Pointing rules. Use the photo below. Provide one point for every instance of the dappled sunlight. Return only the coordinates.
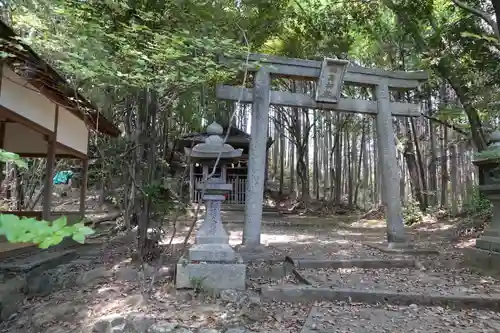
(118, 305)
(348, 233)
(176, 240)
(122, 263)
(436, 226)
(344, 253)
(335, 241)
(270, 239)
(107, 289)
(117, 300)
(466, 243)
(117, 297)
(235, 237)
(368, 224)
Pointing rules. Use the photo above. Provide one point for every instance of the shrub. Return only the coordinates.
(478, 205)
(411, 212)
(28, 230)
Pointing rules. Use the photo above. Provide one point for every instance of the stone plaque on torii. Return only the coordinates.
(330, 74)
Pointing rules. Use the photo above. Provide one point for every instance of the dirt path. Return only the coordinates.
(348, 318)
(115, 293)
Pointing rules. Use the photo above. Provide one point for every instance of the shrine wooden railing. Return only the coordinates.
(236, 196)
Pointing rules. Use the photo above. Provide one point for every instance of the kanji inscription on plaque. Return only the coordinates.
(330, 80)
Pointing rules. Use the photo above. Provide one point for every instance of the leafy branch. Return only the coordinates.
(29, 230)
(481, 14)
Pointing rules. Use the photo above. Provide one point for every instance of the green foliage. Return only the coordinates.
(115, 49)
(28, 230)
(6, 156)
(44, 234)
(166, 46)
(197, 284)
(412, 213)
(163, 199)
(478, 205)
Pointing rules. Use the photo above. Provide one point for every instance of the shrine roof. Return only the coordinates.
(23, 61)
(237, 138)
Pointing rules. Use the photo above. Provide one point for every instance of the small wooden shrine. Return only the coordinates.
(236, 173)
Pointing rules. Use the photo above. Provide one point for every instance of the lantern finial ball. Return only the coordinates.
(214, 129)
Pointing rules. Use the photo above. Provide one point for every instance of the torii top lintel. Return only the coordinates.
(357, 75)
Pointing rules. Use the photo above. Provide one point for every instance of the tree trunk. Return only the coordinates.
(444, 169)
(411, 162)
(315, 158)
(433, 165)
(496, 8)
(338, 161)
(423, 183)
(454, 178)
(282, 154)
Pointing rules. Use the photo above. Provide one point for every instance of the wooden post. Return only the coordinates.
(191, 183)
(2, 138)
(2, 133)
(83, 185)
(19, 190)
(266, 172)
(49, 169)
(49, 174)
(223, 172)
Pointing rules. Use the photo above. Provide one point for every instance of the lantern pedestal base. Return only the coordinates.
(488, 243)
(486, 254)
(212, 253)
(483, 260)
(490, 240)
(210, 275)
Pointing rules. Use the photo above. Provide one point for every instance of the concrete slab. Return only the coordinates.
(303, 293)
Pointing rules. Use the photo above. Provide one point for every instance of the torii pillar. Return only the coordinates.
(257, 160)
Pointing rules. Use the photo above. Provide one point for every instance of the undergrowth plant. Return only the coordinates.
(29, 230)
(412, 213)
(478, 205)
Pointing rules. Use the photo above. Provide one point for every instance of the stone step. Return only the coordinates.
(488, 243)
(305, 293)
(365, 263)
(400, 279)
(29, 274)
(358, 319)
(42, 260)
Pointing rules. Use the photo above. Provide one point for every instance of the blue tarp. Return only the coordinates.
(62, 177)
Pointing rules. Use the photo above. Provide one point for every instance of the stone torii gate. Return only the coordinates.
(330, 75)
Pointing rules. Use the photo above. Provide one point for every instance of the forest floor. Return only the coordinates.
(115, 293)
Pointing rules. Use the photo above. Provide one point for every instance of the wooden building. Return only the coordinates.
(41, 115)
(236, 173)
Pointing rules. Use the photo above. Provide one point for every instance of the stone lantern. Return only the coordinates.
(488, 162)
(212, 262)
